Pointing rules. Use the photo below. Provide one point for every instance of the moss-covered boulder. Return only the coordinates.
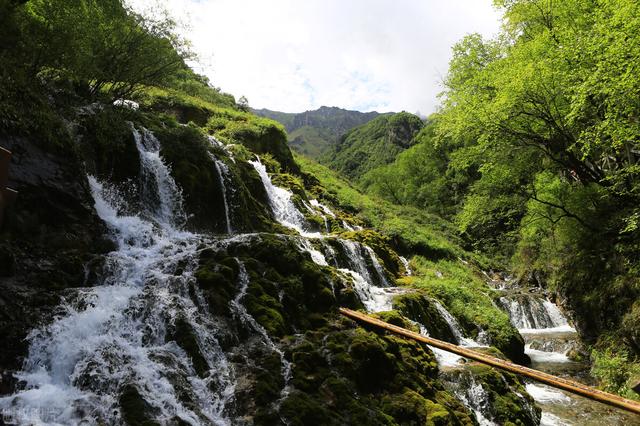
(422, 309)
(347, 375)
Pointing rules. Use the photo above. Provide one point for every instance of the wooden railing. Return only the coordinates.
(549, 379)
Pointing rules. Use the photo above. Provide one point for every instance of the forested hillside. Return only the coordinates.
(373, 144)
(312, 133)
(535, 157)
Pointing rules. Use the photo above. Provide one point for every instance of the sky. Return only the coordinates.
(297, 55)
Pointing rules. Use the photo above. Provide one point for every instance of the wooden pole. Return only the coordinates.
(557, 382)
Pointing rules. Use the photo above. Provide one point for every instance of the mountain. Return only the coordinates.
(373, 144)
(312, 133)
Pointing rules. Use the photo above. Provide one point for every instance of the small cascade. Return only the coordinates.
(280, 199)
(548, 339)
(161, 198)
(407, 269)
(356, 259)
(454, 326)
(316, 255)
(382, 276)
(473, 396)
(223, 175)
(374, 298)
(325, 209)
(530, 312)
(348, 227)
(244, 316)
(124, 333)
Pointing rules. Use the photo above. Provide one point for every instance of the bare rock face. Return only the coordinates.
(48, 237)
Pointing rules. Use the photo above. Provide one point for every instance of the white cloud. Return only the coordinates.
(385, 55)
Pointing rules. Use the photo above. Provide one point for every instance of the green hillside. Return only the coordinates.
(373, 144)
(314, 132)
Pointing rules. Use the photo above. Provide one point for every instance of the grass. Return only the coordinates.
(421, 232)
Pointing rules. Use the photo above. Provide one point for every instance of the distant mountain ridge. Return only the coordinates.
(314, 132)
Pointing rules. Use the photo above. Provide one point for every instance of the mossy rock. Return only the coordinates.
(261, 136)
(410, 408)
(134, 409)
(380, 245)
(107, 145)
(184, 335)
(421, 308)
(354, 376)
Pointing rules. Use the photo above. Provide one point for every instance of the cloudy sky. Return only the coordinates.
(296, 55)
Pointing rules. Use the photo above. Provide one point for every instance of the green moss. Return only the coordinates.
(380, 245)
(108, 146)
(468, 298)
(504, 390)
(333, 367)
(410, 407)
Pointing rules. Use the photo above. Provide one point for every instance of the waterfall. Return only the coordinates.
(529, 312)
(161, 197)
(280, 200)
(118, 334)
(407, 268)
(454, 326)
(382, 275)
(473, 396)
(223, 174)
(316, 255)
(356, 260)
(374, 298)
(325, 209)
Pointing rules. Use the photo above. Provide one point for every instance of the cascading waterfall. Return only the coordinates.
(374, 298)
(161, 198)
(407, 269)
(223, 175)
(117, 336)
(382, 276)
(529, 312)
(454, 326)
(280, 199)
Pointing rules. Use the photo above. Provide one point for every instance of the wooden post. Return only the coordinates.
(557, 382)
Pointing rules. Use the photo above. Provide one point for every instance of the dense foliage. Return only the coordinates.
(535, 154)
(88, 49)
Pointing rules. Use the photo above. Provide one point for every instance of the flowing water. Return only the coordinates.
(121, 334)
(223, 176)
(116, 336)
(548, 340)
(375, 298)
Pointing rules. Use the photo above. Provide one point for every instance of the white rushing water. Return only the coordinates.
(407, 268)
(532, 313)
(375, 299)
(282, 206)
(117, 334)
(223, 175)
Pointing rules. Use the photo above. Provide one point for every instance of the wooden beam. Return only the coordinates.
(551, 380)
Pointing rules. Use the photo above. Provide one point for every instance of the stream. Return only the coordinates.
(549, 338)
